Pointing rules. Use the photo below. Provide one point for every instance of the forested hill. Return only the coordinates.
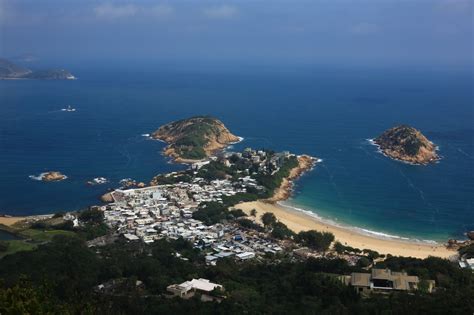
(194, 138)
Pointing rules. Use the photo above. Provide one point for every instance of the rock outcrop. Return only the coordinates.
(470, 235)
(407, 144)
(53, 176)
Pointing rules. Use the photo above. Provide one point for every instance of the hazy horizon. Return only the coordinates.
(346, 33)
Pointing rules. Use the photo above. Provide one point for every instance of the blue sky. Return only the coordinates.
(376, 32)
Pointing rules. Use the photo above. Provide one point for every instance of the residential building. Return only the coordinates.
(384, 280)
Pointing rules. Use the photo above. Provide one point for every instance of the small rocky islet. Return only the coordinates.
(53, 176)
(407, 144)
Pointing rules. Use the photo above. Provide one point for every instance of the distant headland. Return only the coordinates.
(407, 144)
(10, 71)
(193, 139)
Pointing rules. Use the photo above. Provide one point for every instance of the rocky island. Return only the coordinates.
(10, 70)
(195, 138)
(52, 176)
(405, 143)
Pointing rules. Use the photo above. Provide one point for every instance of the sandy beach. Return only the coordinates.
(300, 221)
(10, 220)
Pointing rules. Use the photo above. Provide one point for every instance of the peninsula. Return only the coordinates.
(193, 139)
(10, 70)
(405, 143)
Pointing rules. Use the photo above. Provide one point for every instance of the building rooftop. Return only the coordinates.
(360, 279)
(381, 274)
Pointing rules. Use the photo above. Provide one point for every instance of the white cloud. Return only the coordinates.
(161, 10)
(364, 29)
(111, 11)
(221, 12)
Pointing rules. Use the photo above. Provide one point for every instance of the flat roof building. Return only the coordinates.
(188, 288)
(384, 280)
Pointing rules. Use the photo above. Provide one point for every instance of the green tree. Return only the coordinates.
(268, 219)
(91, 216)
(315, 240)
(281, 231)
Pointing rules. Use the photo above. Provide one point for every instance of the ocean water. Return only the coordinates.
(326, 113)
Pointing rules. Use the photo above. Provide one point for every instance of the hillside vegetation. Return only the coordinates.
(194, 138)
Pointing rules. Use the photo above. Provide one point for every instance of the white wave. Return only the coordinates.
(380, 234)
(146, 135)
(238, 141)
(359, 230)
(379, 150)
(37, 177)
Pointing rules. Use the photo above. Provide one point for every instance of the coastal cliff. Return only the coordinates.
(407, 144)
(194, 139)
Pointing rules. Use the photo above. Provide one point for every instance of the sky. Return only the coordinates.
(343, 32)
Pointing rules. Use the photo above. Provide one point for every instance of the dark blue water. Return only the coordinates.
(325, 113)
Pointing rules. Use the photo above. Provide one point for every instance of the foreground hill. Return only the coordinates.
(194, 138)
(407, 144)
(9, 70)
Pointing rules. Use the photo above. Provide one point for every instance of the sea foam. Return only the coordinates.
(363, 231)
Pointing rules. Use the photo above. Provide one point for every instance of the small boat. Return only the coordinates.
(68, 109)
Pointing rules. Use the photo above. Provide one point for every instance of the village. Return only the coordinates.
(151, 213)
(166, 211)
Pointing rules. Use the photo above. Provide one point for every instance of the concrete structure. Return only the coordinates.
(384, 280)
(467, 263)
(188, 288)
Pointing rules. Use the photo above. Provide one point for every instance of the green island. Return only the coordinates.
(405, 143)
(194, 138)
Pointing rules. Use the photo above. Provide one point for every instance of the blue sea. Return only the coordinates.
(327, 113)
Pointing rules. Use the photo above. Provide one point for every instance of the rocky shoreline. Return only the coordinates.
(305, 163)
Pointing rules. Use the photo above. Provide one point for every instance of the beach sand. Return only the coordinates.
(300, 221)
(8, 221)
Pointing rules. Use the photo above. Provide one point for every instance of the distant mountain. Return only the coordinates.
(407, 144)
(194, 138)
(10, 70)
(54, 74)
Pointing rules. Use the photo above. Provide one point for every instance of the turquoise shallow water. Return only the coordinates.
(326, 113)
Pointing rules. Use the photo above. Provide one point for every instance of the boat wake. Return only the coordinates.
(68, 109)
